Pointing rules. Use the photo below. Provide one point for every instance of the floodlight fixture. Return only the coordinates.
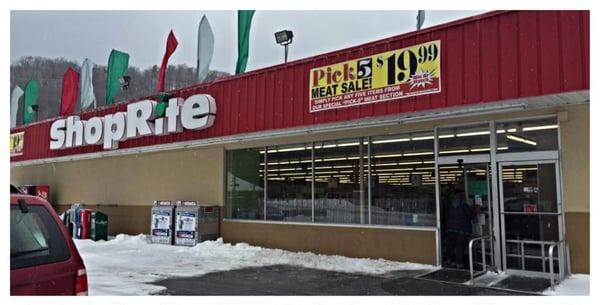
(284, 38)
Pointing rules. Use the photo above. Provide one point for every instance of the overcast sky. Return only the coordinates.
(75, 35)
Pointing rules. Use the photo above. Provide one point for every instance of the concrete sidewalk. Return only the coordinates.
(292, 280)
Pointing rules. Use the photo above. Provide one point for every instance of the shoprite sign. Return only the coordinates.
(196, 112)
(385, 76)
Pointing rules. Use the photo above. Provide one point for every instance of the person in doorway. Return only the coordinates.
(459, 216)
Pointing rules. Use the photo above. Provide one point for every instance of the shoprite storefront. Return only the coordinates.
(359, 152)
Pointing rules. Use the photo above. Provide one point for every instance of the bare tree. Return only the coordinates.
(49, 72)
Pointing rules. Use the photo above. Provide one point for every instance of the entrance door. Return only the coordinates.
(531, 216)
(467, 184)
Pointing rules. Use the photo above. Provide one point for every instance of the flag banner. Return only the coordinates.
(14, 105)
(30, 104)
(244, 22)
(162, 103)
(70, 90)
(171, 46)
(86, 87)
(206, 46)
(420, 19)
(117, 67)
(392, 75)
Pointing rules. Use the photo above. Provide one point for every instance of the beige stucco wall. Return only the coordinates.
(132, 180)
(575, 158)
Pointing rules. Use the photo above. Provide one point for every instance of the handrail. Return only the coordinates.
(551, 254)
(471, 242)
(564, 258)
(533, 242)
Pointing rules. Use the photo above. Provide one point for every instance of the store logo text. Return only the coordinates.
(196, 112)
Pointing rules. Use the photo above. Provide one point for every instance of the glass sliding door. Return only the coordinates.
(465, 214)
(531, 215)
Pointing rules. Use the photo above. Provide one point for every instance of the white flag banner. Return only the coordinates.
(87, 97)
(14, 105)
(206, 45)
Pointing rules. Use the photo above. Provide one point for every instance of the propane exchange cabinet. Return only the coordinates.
(195, 223)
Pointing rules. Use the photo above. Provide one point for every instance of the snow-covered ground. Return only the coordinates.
(576, 284)
(126, 265)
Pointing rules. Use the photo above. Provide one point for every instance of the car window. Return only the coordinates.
(35, 238)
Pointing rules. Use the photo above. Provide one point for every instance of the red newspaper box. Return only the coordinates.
(85, 223)
(37, 190)
(42, 191)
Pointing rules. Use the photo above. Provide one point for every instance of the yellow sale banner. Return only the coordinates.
(16, 143)
(385, 76)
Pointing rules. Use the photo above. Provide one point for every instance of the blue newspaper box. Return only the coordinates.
(75, 218)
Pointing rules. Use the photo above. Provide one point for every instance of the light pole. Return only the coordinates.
(284, 38)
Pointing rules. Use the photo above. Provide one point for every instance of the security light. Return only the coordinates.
(284, 38)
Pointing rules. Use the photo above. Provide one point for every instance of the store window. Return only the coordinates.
(289, 183)
(529, 135)
(464, 140)
(245, 184)
(403, 180)
(341, 169)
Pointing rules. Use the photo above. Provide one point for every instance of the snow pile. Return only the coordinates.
(127, 264)
(576, 284)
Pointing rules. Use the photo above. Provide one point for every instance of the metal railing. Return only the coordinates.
(563, 257)
(483, 254)
(562, 275)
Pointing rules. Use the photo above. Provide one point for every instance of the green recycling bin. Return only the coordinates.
(99, 226)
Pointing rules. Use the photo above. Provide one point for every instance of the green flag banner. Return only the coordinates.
(162, 103)
(244, 21)
(30, 103)
(117, 67)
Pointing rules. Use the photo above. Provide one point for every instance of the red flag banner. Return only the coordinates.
(171, 46)
(70, 91)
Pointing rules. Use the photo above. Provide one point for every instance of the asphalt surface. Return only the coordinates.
(293, 280)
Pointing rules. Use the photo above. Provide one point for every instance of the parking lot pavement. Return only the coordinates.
(292, 280)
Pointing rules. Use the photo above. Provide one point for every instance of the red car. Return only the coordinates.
(43, 257)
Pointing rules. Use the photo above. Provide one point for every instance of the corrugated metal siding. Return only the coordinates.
(495, 56)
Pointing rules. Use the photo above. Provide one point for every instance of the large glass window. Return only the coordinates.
(337, 182)
(530, 135)
(289, 183)
(464, 140)
(245, 184)
(403, 180)
(340, 181)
